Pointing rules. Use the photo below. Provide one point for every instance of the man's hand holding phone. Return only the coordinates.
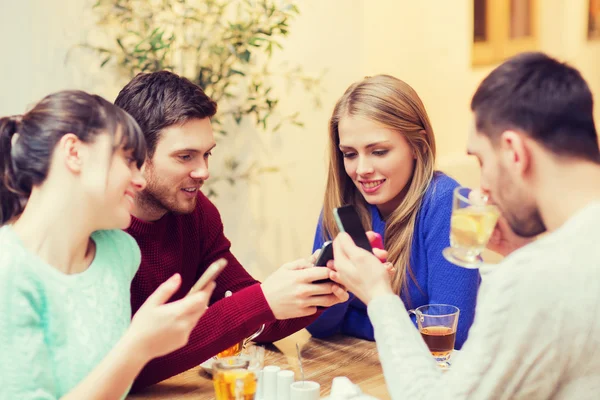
(292, 292)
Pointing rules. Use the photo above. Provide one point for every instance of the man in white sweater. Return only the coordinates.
(536, 333)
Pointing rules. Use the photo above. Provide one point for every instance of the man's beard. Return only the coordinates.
(527, 223)
(520, 211)
(159, 198)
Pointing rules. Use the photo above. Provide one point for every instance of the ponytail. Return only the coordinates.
(27, 142)
(11, 201)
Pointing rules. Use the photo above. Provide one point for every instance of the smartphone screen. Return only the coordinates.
(348, 221)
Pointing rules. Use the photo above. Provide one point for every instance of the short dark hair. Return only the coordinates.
(161, 99)
(542, 97)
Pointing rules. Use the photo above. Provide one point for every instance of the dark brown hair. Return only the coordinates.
(161, 99)
(28, 141)
(542, 97)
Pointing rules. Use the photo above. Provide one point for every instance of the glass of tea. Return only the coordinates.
(234, 378)
(471, 225)
(437, 324)
(237, 348)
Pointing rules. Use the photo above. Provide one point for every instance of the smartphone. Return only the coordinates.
(348, 221)
(209, 275)
(325, 254)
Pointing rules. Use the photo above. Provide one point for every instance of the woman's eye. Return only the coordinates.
(348, 155)
(380, 152)
(185, 157)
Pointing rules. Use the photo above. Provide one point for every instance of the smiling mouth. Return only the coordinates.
(372, 184)
(130, 198)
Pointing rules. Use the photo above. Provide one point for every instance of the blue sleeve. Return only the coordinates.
(446, 282)
(331, 320)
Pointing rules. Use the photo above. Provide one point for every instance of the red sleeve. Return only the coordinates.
(228, 320)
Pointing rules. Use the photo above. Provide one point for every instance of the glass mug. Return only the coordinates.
(235, 378)
(237, 348)
(437, 324)
(471, 225)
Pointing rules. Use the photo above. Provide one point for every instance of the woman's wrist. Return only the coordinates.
(137, 351)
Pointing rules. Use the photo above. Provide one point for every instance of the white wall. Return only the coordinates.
(38, 35)
(283, 209)
(426, 43)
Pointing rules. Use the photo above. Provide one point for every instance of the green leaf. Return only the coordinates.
(106, 60)
(235, 71)
(120, 43)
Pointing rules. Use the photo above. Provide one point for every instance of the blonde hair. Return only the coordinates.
(393, 104)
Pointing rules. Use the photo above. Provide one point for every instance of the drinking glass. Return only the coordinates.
(471, 225)
(237, 348)
(437, 324)
(234, 378)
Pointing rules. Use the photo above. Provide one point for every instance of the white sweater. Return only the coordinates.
(536, 333)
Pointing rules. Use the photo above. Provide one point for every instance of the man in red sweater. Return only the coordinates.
(180, 231)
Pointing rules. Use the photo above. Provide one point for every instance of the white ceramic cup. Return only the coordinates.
(269, 382)
(284, 379)
(305, 390)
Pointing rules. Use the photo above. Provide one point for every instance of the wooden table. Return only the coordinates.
(322, 361)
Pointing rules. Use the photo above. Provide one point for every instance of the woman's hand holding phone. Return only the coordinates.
(158, 327)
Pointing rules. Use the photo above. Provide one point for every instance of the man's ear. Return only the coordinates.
(515, 152)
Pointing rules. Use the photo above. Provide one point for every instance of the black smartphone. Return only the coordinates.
(348, 221)
(325, 254)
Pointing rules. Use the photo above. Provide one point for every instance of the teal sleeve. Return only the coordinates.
(25, 368)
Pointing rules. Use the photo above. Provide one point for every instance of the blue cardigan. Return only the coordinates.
(439, 281)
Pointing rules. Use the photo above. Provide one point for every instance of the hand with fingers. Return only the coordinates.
(159, 328)
(359, 271)
(380, 252)
(291, 292)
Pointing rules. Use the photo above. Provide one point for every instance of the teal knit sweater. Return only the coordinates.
(55, 328)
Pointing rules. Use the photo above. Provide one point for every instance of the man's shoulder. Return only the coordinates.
(563, 261)
(206, 212)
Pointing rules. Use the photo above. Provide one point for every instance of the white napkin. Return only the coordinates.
(342, 388)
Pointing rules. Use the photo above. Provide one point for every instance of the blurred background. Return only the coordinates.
(285, 64)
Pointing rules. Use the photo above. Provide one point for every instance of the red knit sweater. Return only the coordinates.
(188, 244)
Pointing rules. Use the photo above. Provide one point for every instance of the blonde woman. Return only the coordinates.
(382, 154)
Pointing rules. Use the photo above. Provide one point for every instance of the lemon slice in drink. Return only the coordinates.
(465, 227)
(464, 223)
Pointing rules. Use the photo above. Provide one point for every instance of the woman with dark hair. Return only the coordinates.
(69, 170)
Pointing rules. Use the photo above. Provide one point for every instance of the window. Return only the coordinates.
(503, 28)
(594, 19)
